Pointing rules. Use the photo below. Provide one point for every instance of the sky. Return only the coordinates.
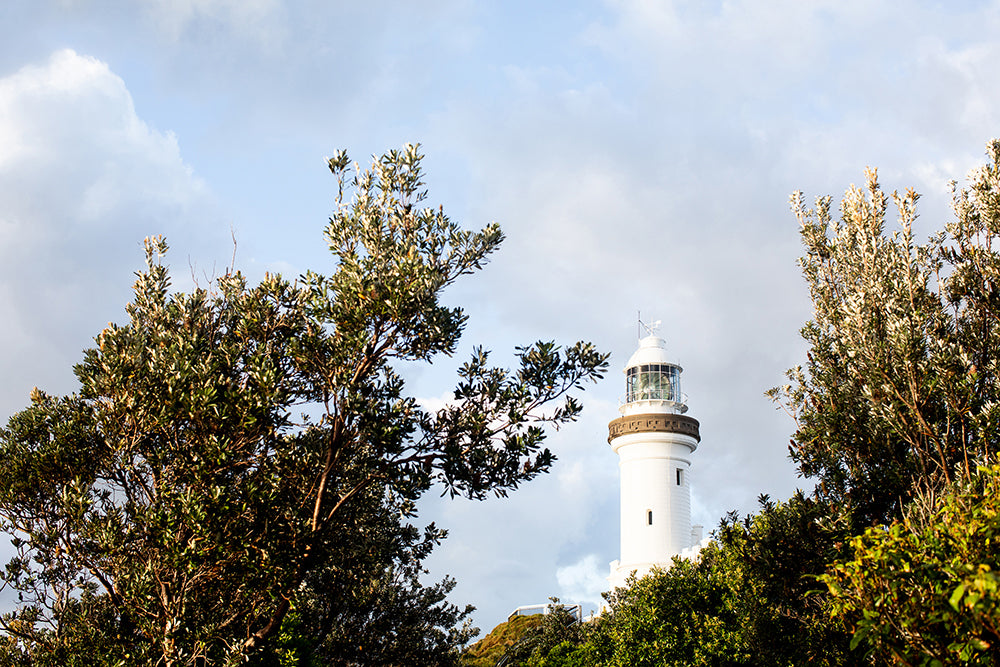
(638, 154)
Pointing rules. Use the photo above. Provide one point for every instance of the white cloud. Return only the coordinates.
(75, 156)
(433, 404)
(583, 581)
(83, 180)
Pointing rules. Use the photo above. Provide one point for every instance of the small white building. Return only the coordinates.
(654, 441)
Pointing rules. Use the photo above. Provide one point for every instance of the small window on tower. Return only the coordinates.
(680, 477)
(649, 517)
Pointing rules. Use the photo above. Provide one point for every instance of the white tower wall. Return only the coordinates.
(655, 510)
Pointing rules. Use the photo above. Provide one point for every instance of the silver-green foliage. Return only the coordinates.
(901, 385)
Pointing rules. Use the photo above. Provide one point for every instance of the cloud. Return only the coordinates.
(83, 180)
(583, 581)
(433, 404)
(260, 21)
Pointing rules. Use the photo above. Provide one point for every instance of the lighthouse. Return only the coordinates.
(654, 440)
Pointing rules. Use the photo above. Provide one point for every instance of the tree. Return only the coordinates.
(900, 390)
(897, 408)
(371, 609)
(925, 590)
(670, 617)
(747, 599)
(558, 629)
(178, 507)
(771, 560)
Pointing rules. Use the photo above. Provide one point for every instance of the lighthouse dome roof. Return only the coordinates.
(652, 350)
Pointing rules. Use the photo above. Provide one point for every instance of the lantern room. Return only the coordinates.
(653, 380)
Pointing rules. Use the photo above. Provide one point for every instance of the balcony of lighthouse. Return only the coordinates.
(653, 387)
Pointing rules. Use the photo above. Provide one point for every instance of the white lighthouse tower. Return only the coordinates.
(653, 440)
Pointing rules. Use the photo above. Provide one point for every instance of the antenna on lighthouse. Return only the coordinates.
(650, 328)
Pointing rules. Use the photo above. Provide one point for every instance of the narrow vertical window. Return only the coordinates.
(649, 517)
(680, 477)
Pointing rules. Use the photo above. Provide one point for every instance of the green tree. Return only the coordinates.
(771, 560)
(900, 390)
(670, 617)
(558, 628)
(896, 408)
(231, 447)
(747, 599)
(926, 590)
(371, 608)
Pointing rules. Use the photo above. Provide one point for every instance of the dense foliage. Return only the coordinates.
(924, 591)
(242, 456)
(745, 601)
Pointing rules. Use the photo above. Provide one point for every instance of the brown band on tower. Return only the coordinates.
(646, 423)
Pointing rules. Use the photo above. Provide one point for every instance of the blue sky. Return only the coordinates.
(638, 154)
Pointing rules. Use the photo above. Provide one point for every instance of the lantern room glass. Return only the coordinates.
(653, 382)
